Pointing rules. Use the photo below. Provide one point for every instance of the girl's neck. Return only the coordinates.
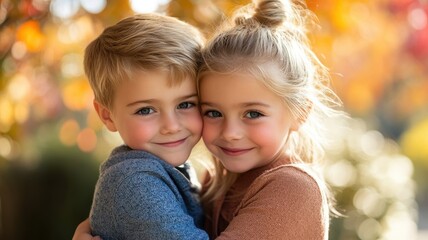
(282, 159)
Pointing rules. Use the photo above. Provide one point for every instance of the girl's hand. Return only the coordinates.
(83, 232)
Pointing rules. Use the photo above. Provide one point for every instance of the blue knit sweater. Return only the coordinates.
(139, 196)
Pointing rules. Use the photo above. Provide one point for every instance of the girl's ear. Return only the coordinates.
(105, 116)
(303, 116)
(295, 126)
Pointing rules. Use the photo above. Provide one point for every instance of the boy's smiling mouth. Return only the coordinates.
(172, 143)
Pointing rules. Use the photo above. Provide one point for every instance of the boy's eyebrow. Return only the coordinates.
(141, 101)
(189, 96)
(148, 101)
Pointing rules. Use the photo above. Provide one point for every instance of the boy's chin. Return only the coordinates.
(176, 159)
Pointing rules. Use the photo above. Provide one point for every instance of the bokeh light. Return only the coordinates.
(415, 142)
(87, 140)
(3, 12)
(6, 116)
(418, 18)
(72, 65)
(369, 229)
(64, 9)
(22, 112)
(68, 132)
(77, 88)
(18, 87)
(341, 174)
(5, 147)
(371, 173)
(93, 6)
(147, 6)
(30, 34)
(18, 50)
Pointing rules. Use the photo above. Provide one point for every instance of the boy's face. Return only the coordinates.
(153, 116)
(247, 125)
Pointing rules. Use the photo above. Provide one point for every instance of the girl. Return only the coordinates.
(263, 96)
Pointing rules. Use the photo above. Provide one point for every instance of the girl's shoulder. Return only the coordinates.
(290, 180)
(304, 172)
(292, 197)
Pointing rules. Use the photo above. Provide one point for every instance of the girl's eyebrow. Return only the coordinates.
(206, 104)
(247, 104)
(255, 104)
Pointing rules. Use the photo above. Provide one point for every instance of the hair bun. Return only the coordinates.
(241, 20)
(271, 13)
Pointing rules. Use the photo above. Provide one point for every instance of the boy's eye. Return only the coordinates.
(145, 111)
(253, 114)
(185, 105)
(212, 114)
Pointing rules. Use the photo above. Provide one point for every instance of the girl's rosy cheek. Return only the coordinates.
(208, 131)
(262, 134)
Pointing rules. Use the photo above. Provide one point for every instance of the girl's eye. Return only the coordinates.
(145, 111)
(185, 105)
(212, 114)
(253, 114)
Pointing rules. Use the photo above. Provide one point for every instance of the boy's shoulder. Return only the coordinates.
(127, 167)
(124, 161)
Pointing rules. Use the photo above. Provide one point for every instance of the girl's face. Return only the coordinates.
(245, 124)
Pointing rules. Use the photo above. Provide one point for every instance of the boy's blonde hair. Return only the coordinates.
(141, 42)
(271, 35)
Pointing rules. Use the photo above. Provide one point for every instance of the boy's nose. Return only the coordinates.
(170, 124)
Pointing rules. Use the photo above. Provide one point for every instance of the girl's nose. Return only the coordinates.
(232, 130)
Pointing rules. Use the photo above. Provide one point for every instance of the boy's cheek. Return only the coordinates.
(139, 136)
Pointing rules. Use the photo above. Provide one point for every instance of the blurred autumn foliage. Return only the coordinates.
(51, 140)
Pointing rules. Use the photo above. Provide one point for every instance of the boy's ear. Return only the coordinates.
(105, 116)
(303, 116)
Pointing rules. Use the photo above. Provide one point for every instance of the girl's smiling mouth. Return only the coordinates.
(235, 151)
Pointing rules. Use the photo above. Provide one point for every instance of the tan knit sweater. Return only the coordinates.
(277, 201)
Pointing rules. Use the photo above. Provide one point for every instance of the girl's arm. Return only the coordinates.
(83, 232)
(282, 204)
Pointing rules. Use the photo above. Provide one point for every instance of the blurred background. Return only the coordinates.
(51, 141)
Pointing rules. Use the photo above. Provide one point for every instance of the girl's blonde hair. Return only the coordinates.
(268, 35)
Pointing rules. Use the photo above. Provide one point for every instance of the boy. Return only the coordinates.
(142, 71)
